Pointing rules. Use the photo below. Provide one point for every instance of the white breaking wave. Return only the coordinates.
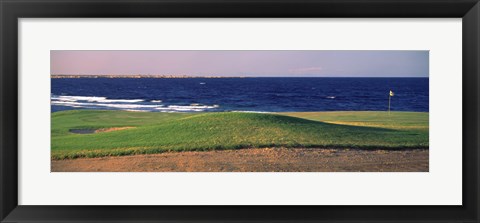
(87, 104)
(136, 110)
(125, 104)
(180, 109)
(95, 99)
(194, 106)
(186, 108)
(121, 100)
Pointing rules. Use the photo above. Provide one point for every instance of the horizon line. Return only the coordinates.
(215, 76)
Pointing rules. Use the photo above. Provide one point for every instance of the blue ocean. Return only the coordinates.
(240, 94)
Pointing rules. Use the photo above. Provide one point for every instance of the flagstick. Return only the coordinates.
(389, 103)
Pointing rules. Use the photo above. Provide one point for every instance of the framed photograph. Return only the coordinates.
(261, 111)
(228, 111)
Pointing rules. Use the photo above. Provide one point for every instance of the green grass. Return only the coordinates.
(160, 132)
(394, 120)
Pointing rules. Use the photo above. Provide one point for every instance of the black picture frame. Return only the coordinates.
(12, 10)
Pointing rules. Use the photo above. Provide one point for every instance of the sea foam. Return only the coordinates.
(95, 102)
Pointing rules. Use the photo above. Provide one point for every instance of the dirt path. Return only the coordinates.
(256, 160)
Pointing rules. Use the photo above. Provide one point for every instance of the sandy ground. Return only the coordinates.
(256, 160)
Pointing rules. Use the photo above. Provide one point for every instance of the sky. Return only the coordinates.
(254, 63)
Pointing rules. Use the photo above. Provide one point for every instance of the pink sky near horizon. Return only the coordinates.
(315, 63)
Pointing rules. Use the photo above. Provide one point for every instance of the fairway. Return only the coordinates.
(149, 133)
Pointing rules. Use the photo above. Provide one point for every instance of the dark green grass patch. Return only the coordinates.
(160, 132)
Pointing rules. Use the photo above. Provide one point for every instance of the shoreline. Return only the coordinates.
(74, 76)
(236, 111)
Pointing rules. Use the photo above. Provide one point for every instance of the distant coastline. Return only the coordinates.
(170, 76)
(132, 76)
